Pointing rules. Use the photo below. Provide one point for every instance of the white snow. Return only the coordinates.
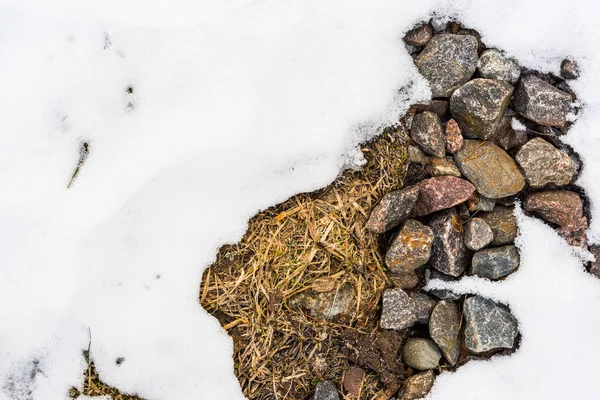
(517, 125)
(237, 105)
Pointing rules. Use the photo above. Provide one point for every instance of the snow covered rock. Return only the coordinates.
(503, 223)
(393, 209)
(442, 192)
(448, 253)
(411, 247)
(426, 130)
(448, 61)
(444, 326)
(422, 354)
(478, 234)
(541, 102)
(543, 163)
(569, 69)
(488, 326)
(496, 262)
(493, 64)
(398, 310)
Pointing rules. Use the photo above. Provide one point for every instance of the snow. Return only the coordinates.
(236, 106)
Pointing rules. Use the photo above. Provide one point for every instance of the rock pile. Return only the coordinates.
(487, 140)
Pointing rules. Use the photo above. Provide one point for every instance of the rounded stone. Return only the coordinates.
(542, 103)
(426, 130)
(493, 64)
(544, 163)
(503, 223)
(419, 36)
(444, 326)
(496, 262)
(393, 209)
(478, 234)
(326, 391)
(411, 248)
(569, 69)
(421, 354)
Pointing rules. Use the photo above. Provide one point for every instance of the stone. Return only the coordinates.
(507, 136)
(488, 326)
(411, 248)
(447, 61)
(493, 64)
(437, 106)
(493, 172)
(561, 207)
(448, 252)
(353, 380)
(442, 192)
(421, 354)
(444, 326)
(442, 167)
(478, 234)
(594, 267)
(405, 280)
(453, 136)
(463, 212)
(543, 163)
(416, 155)
(503, 223)
(478, 106)
(417, 386)
(496, 262)
(426, 131)
(393, 209)
(574, 236)
(569, 69)
(329, 305)
(442, 294)
(326, 391)
(542, 103)
(478, 202)
(397, 310)
(423, 306)
(419, 36)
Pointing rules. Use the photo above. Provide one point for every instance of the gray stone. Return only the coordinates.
(488, 326)
(541, 102)
(493, 64)
(503, 223)
(417, 386)
(411, 248)
(426, 130)
(416, 155)
(422, 354)
(478, 106)
(448, 252)
(496, 262)
(478, 202)
(393, 209)
(442, 294)
(444, 326)
(326, 391)
(448, 61)
(544, 163)
(419, 36)
(423, 306)
(569, 69)
(398, 310)
(442, 167)
(478, 234)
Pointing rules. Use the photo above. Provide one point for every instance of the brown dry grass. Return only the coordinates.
(308, 242)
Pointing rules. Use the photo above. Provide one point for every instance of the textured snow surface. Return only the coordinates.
(236, 105)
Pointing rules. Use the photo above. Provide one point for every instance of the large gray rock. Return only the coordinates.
(541, 102)
(544, 163)
(448, 61)
(488, 326)
(393, 209)
(478, 106)
(411, 248)
(444, 325)
(326, 391)
(448, 252)
(423, 305)
(493, 64)
(493, 172)
(398, 310)
(478, 234)
(422, 354)
(503, 223)
(496, 262)
(426, 130)
(417, 386)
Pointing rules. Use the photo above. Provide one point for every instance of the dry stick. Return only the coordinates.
(84, 150)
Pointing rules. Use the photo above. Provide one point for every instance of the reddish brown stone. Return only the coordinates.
(595, 265)
(453, 135)
(353, 380)
(573, 236)
(417, 386)
(419, 36)
(561, 207)
(393, 209)
(442, 192)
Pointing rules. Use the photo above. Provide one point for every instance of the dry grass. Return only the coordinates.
(93, 386)
(308, 244)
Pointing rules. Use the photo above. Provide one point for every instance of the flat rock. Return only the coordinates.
(478, 202)
(453, 136)
(417, 386)
(493, 64)
(496, 262)
(353, 380)
(398, 310)
(393, 209)
(569, 69)
(424, 305)
(448, 252)
(478, 234)
(478, 106)
(493, 172)
(411, 248)
(542, 103)
(561, 207)
(444, 166)
(503, 223)
(444, 326)
(421, 354)
(442, 192)
(448, 61)
(419, 36)
(326, 391)
(488, 326)
(426, 130)
(544, 163)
